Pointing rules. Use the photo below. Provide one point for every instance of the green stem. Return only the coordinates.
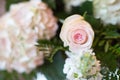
(55, 51)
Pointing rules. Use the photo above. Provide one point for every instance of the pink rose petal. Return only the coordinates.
(79, 36)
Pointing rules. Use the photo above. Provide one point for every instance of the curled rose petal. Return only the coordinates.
(79, 36)
(77, 33)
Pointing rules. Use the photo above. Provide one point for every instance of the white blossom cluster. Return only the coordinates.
(107, 10)
(82, 67)
(20, 29)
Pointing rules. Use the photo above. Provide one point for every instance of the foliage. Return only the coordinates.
(52, 47)
(54, 71)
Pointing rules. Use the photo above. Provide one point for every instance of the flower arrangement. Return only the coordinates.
(82, 63)
(59, 40)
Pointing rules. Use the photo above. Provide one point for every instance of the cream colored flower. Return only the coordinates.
(82, 67)
(107, 10)
(76, 33)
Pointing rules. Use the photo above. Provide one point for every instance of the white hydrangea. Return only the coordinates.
(40, 76)
(82, 67)
(19, 32)
(17, 46)
(37, 15)
(107, 10)
(70, 3)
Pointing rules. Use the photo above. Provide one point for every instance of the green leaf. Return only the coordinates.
(54, 71)
(85, 7)
(106, 46)
(101, 43)
(4, 75)
(51, 47)
(115, 49)
(112, 35)
(51, 3)
(95, 23)
(107, 59)
(9, 2)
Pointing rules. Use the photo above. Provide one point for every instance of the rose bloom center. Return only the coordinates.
(79, 36)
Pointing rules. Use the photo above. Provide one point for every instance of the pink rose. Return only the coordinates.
(77, 33)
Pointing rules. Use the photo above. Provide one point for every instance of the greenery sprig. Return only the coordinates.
(51, 47)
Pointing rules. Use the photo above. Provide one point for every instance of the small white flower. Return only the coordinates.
(40, 76)
(81, 67)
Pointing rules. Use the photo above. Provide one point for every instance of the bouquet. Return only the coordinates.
(59, 40)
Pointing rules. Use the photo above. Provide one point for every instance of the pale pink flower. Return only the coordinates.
(37, 15)
(20, 29)
(17, 45)
(77, 33)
